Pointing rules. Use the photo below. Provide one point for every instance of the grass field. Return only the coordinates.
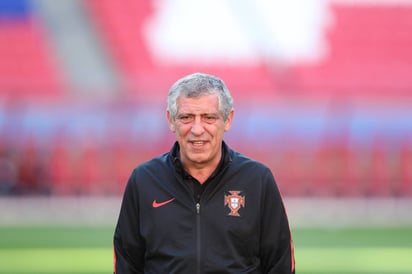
(88, 250)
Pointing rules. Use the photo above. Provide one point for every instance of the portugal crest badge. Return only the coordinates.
(234, 200)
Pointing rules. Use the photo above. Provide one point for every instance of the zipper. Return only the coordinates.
(197, 208)
(198, 237)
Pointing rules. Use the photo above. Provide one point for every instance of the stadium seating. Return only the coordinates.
(121, 26)
(405, 182)
(27, 69)
(369, 57)
(368, 54)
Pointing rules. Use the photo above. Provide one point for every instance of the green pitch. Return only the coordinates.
(88, 250)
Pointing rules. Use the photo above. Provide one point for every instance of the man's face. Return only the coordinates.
(199, 127)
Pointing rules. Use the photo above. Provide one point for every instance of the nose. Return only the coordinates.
(197, 127)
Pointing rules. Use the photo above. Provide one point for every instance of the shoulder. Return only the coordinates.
(148, 175)
(240, 160)
(155, 166)
(252, 174)
(250, 168)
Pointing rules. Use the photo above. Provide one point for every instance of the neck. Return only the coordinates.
(201, 171)
(200, 174)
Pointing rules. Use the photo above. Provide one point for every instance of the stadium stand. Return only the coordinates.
(404, 184)
(26, 68)
(369, 58)
(368, 54)
(122, 28)
(358, 64)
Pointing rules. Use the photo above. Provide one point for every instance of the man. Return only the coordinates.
(202, 207)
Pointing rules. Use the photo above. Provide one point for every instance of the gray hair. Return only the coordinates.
(196, 85)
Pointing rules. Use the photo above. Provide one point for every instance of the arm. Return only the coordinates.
(277, 255)
(129, 247)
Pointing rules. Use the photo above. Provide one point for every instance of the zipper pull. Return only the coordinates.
(197, 208)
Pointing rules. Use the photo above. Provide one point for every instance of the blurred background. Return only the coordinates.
(323, 90)
(323, 96)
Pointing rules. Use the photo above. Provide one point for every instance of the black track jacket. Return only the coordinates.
(239, 224)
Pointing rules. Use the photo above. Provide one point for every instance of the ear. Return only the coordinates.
(170, 121)
(229, 120)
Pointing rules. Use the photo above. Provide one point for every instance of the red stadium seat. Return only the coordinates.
(369, 54)
(406, 167)
(27, 67)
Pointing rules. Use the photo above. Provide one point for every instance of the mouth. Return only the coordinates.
(198, 143)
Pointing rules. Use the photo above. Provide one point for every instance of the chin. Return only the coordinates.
(199, 160)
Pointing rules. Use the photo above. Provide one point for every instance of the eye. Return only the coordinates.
(185, 118)
(210, 119)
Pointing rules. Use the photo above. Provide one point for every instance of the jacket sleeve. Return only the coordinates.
(128, 245)
(277, 253)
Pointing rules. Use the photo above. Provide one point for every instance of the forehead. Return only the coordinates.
(203, 104)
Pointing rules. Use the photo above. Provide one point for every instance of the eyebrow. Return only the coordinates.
(202, 114)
